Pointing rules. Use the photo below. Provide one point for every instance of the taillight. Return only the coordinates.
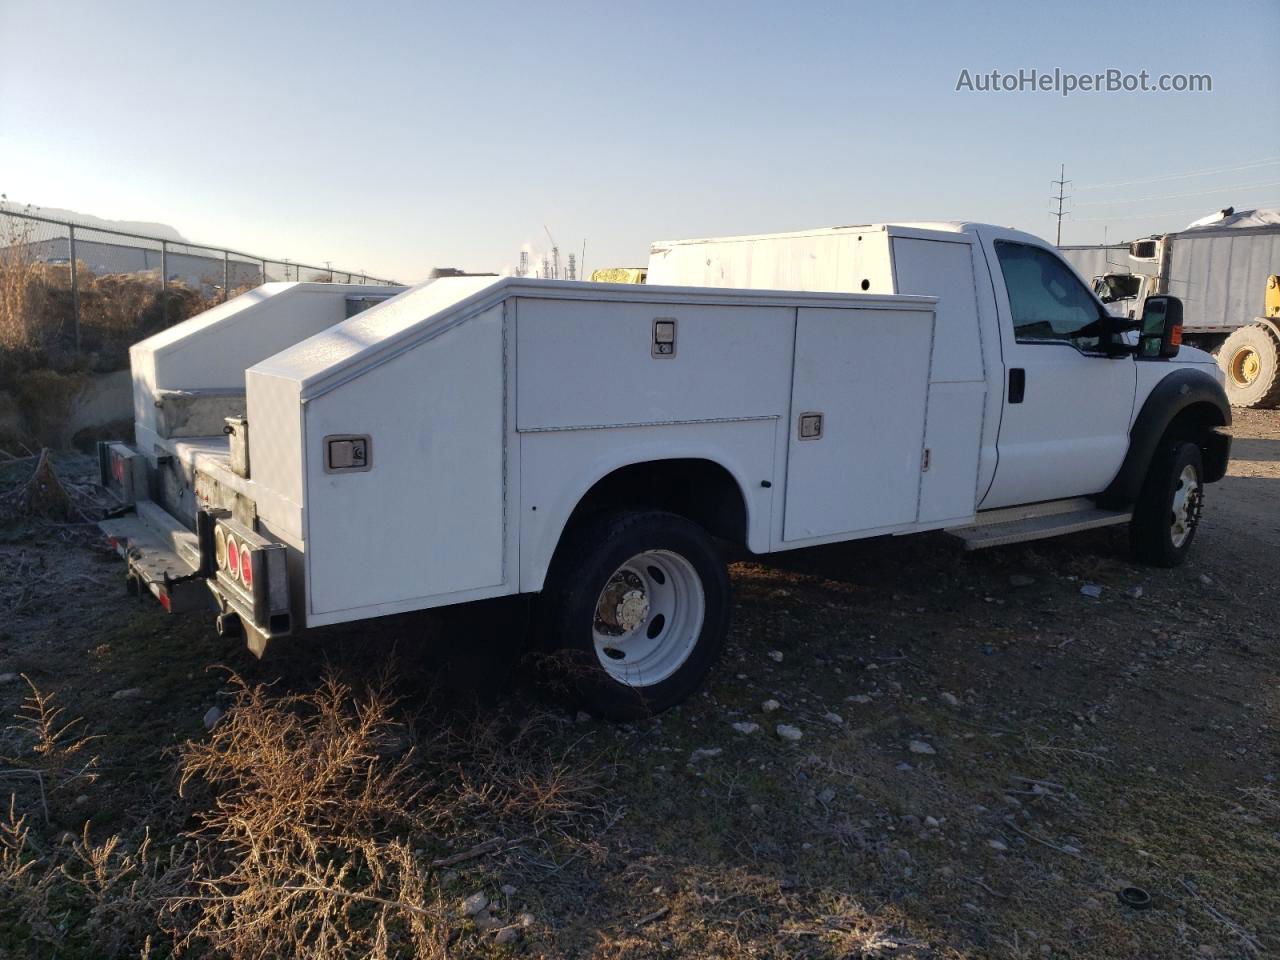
(249, 572)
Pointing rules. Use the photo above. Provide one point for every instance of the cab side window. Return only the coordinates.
(1047, 299)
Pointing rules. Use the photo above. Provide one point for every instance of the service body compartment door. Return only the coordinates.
(865, 373)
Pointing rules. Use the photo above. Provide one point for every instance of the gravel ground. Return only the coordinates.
(907, 751)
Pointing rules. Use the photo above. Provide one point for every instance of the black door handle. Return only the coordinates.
(1017, 384)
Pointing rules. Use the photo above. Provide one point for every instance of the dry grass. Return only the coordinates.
(38, 310)
(19, 272)
(303, 851)
(42, 747)
(312, 824)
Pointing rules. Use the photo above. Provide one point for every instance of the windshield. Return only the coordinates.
(1117, 286)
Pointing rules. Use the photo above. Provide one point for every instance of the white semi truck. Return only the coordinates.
(1226, 270)
(298, 464)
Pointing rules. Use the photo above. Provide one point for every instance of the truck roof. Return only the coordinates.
(914, 226)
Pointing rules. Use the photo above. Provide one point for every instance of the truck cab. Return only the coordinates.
(1122, 293)
(1027, 357)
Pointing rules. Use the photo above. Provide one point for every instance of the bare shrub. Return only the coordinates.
(122, 887)
(20, 273)
(114, 889)
(298, 853)
(312, 824)
(38, 312)
(26, 877)
(319, 835)
(46, 748)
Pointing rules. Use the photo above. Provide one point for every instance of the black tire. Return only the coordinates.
(1153, 534)
(1250, 358)
(566, 611)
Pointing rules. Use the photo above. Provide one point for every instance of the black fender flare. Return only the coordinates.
(1172, 395)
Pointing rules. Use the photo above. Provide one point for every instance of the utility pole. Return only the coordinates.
(1061, 184)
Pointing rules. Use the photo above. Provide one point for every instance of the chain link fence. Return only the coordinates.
(71, 293)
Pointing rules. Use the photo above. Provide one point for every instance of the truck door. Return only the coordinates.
(1064, 427)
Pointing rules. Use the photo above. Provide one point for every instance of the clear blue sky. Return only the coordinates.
(401, 136)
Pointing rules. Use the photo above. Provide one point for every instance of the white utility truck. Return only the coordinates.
(480, 437)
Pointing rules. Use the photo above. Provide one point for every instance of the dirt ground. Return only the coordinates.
(987, 756)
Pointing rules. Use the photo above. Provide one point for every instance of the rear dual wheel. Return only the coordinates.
(636, 608)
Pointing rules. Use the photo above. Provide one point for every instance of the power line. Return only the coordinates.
(1178, 196)
(1061, 183)
(1162, 213)
(1267, 161)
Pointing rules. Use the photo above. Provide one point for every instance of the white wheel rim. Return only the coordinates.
(1184, 511)
(648, 618)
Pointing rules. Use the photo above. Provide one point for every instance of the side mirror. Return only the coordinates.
(1161, 328)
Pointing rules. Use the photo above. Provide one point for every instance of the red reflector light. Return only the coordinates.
(246, 567)
(233, 556)
(164, 600)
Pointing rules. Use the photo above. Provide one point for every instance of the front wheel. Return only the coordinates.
(637, 608)
(1168, 509)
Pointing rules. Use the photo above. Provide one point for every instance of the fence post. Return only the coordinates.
(164, 278)
(264, 271)
(75, 284)
(226, 275)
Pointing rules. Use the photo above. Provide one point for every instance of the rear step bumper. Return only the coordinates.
(163, 558)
